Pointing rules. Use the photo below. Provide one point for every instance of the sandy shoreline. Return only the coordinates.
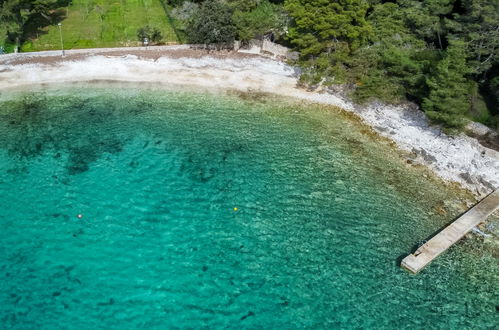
(460, 159)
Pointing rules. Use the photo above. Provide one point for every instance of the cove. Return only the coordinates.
(221, 210)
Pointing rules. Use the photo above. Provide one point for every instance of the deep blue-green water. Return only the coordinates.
(219, 210)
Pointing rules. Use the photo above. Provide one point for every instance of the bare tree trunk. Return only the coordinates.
(439, 40)
(479, 51)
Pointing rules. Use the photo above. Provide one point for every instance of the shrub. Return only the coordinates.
(152, 33)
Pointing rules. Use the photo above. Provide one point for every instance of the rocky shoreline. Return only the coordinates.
(460, 158)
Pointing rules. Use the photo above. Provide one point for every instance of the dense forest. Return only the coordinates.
(441, 54)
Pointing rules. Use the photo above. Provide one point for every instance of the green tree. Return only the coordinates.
(449, 89)
(151, 33)
(394, 65)
(326, 33)
(212, 24)
(319, 25)
(15, 14)
(428, 19)
(442, 54)
(243, 5)
(479, 27)
(265, 17)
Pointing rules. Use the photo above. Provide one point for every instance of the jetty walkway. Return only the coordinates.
(451, 234)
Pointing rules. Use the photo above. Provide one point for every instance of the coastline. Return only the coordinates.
(460, 158)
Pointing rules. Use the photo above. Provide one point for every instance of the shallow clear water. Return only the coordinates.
(204, 209)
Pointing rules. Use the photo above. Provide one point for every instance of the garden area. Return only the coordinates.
(100, 23)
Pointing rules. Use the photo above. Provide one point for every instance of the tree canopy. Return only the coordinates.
(438, 53)
(319, 24)
(211, 23)
(441, 54)
(15, 15)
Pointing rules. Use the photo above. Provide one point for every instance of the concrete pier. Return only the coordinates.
(451, 234)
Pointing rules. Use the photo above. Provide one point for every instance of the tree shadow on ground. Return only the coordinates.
(35, 27)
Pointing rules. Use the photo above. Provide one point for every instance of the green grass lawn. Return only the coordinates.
(102, 23)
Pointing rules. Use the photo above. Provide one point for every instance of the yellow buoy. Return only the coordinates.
(235, 209)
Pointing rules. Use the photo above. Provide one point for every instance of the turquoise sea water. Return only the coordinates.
(219, 210)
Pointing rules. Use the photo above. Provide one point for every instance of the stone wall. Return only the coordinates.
(265, 47)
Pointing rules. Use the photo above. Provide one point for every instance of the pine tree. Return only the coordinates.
(319, 24)
(449, 97)
(479, 27)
